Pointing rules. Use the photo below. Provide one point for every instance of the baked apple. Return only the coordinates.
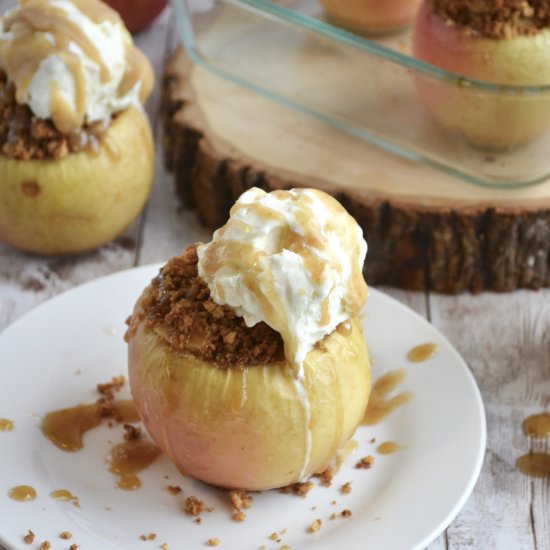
(495, 42)
(372, 15)
(230, 400)
(76, 151)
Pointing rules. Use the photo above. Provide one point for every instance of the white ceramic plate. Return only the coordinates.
(54, 357)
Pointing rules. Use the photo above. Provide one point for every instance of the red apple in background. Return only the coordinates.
(137, 14)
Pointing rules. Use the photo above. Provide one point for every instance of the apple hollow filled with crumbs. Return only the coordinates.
(233, 395)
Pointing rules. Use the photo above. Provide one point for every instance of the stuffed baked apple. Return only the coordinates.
(505, 42)
(247, 361)
(76, 154)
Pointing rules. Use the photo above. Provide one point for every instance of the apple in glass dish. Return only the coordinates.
(230, 399)
(372, 15)
(506, 44)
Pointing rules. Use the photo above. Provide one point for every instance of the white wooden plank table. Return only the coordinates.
(504, 338)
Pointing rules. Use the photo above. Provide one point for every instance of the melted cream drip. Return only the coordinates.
(40, 30)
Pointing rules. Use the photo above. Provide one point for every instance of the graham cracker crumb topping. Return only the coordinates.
(179, 309)
(495, 18)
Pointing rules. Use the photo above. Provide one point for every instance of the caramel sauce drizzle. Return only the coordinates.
(21, 57)
(6, 425)
(387, 448)
(22, 493)
(534, 464)
(65, 428)
(423, 352)
(128, 459)
(247, 260)
(537, 425)
(379, 406)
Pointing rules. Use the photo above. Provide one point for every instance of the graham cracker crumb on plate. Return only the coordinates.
(346, 513)
(214, 542)
(29, 537)
(239, 516)
(65, 535)
(45, 545)
(173, 489)
(240, 499)
(274, 536)
(300, 489)
(114, 385)
(346, 488)
(193, 506)
(198, 520)
(332, 516)
(164, 546)
(73, 547)
(131, 432)
(315, 526)
(325, 478)
(365, 463)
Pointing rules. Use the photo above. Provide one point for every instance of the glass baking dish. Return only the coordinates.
(371, 88)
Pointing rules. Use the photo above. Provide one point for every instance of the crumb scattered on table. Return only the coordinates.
(346, 513)
(29, 537)
(173, 489)
(274, 536)
(214, 542)
(65, 535)
(45, 545)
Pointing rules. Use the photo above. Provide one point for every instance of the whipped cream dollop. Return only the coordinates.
(72, 61)
(292, 259)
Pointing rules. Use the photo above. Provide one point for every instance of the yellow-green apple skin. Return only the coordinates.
(83, 200)
(246, 427)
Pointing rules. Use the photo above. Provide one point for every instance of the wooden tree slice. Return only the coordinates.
(425, 230)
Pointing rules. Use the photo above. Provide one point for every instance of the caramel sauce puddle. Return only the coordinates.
(65, 428)
(379, 405)
(387, 448)
(22, 493)
(128, 459)
(535, 464)
(423, 352)
(6, 425)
